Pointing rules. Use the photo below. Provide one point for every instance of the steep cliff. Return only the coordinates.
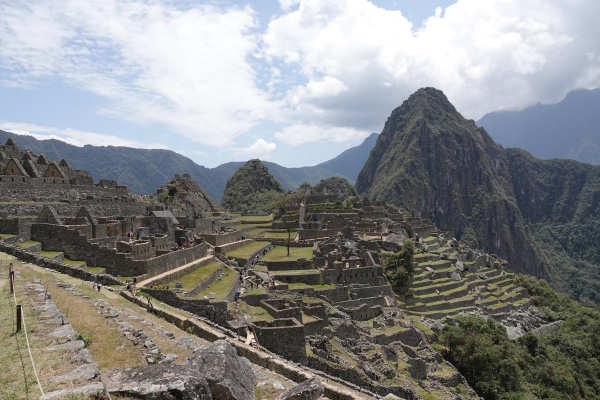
(433, 161)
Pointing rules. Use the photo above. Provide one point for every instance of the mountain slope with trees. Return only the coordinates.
(143, 170)
(543, 216)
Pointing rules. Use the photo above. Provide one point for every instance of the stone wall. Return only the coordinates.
(288, 265)
(222, 249)
(76, 247)
(222, 239)
(57, 265)
(282, 336)
(353, 275)
(281, 308)
(215, 311)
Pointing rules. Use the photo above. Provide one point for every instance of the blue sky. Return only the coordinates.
(295, 82)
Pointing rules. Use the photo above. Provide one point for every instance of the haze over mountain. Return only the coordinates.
(543, 216)
(143, 171)
(569, 129)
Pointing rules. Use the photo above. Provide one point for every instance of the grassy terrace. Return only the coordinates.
(4, 236)
(279, 253)
(257, 219)
(50, 254)
(279, 234)
(197, 276)
(73, 263)
(220, 287)
(27, 243)
(297, 272)
(246, 250)
(293, 286)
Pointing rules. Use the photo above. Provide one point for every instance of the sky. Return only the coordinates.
(290, 81)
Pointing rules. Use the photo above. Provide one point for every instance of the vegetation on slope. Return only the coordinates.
(143, 170)
(562, 363)
(399, 267)
(251, 190)
(183, 195)
(540, 215)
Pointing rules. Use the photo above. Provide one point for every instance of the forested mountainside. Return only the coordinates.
(543, 216)
(143, 170)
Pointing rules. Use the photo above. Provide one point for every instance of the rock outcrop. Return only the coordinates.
(310, 389)
(440, 165)
(215, 373)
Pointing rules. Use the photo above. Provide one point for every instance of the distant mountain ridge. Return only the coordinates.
(569, 129)
(143, 170)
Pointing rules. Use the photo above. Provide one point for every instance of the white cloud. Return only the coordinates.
(186, 68)
(485, 55)
(304, 133)
(259, 149)
(286, 5)
(73, 136)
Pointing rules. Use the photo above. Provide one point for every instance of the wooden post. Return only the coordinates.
(11, 279)
(19, 317)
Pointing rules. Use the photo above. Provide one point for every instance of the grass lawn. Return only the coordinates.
(255, 313)
(306, 286)
(4, 236)
(73, 263)
(26, 244)
(246, 250)
(197, 276)
(255, 290)
(279, 253)
(256, 218)
(50, 254)
(220, 287)
(297, 272)
(95, 270)
(255, 231)
(280, 234)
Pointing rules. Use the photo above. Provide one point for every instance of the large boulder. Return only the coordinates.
(229, 376)
(310, 389)
(154, 382)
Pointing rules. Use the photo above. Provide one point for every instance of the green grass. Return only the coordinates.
(4, 236)
(220, 287)
(297, 272)
(27, 243)
(255, 290)
(279, 253)
(196, 277)
(256, 218)
(255, 231)
(95, 270)
(282, 234)
(73, 263)
(256, 313)
(261, 268)
(306, 286)
(50, 254)
(246, 250)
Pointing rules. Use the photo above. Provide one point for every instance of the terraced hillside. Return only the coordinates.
(446, 283)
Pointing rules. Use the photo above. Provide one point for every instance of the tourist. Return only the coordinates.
(99, 287)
